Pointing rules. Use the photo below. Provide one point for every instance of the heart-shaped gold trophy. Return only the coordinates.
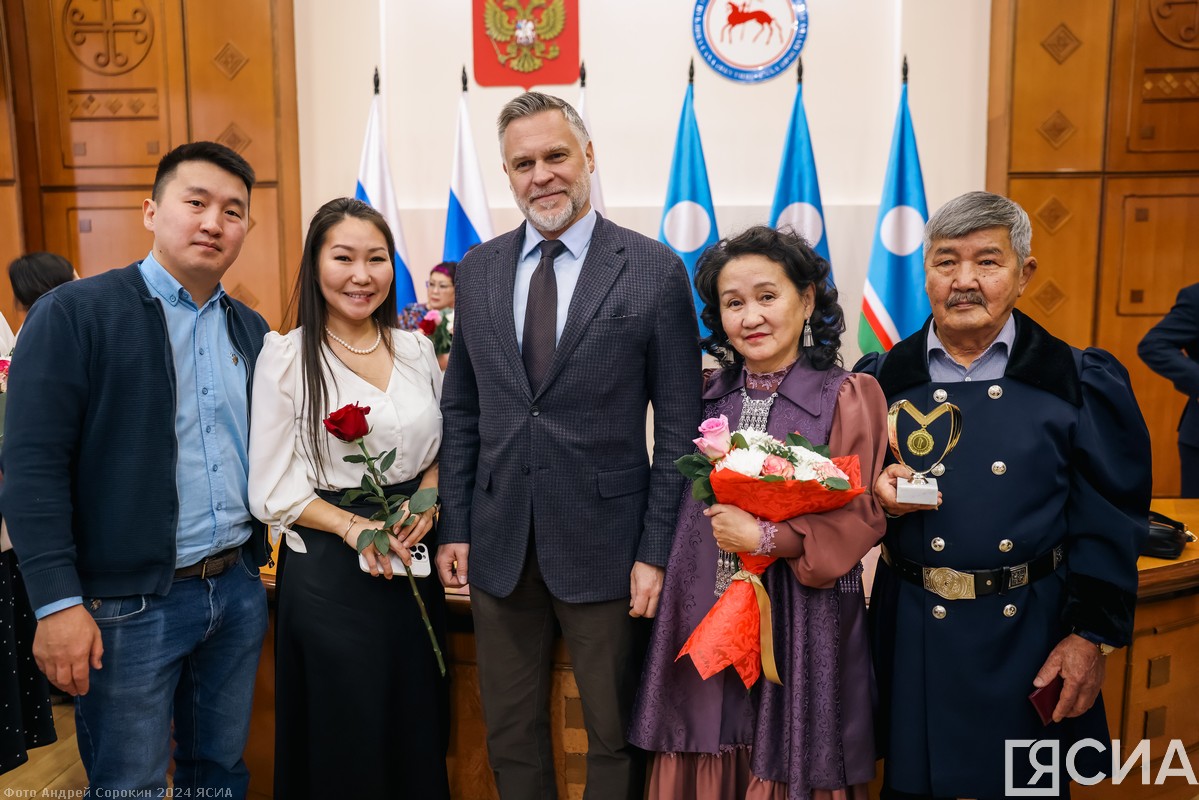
(921, 490)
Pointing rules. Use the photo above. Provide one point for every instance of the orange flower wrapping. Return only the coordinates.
(737, 631)
(780, 500)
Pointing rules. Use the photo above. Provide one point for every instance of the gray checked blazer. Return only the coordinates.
(570, 460)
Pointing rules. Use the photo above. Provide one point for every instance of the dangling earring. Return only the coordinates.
(807, 332)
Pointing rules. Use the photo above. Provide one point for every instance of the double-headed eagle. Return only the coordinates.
(526, 36)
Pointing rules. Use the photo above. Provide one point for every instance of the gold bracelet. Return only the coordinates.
(353, 519)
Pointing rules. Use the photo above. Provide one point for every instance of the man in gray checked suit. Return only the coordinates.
(548, 493)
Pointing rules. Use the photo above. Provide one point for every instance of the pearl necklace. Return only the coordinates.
(357, 350)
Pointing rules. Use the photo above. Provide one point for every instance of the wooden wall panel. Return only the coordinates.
(254, 277)
(1155, 87)
(10, 247)
(1065, 242)
(7, 168)
(291, 233)
(109, 88)
(1157, 255)
(12, 241)
(1059, 85)
(1136, 246)
(185, 74)
(231, 78)
(96, 230)
(999, 95)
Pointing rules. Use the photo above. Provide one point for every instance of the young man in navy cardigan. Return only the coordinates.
(125, 491)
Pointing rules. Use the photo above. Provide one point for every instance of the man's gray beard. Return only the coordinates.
(579, 192)
(550, 222)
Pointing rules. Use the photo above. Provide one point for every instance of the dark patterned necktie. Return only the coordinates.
(541, 315)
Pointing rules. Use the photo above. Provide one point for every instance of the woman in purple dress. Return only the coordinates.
(776, 330)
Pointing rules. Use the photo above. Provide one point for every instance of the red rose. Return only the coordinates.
(348, 422)
(427, 326)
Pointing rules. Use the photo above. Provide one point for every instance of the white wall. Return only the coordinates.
(637, 54)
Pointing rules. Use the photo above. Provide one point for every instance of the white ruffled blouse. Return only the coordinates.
(283, 477)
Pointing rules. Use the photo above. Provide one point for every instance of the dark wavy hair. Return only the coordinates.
(312, 311)
(803, 267)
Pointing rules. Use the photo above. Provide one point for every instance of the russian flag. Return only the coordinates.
(468, 217)
(894, 304)
(375, 189)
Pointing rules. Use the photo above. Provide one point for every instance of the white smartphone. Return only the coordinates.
(421, 563)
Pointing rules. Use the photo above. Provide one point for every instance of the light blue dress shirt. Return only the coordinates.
(212, 420)
(567, 267)
(990, 366)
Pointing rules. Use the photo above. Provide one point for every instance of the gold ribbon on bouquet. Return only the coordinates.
(766, 625)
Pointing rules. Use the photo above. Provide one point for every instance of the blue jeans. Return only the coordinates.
(191, 655)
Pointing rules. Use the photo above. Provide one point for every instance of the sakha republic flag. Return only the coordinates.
(688, 218)
(894, 304)
(376, 190)
(468, 217)
(797, 196)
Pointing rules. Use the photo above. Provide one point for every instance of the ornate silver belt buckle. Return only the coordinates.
(949, 583)
(1018, 576)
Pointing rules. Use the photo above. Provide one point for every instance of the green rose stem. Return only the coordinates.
(377, 490)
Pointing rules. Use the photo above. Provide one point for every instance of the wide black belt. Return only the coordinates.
(212, 566)
(954, 584)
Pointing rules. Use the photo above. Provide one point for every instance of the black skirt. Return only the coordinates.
(361, 709)
(26, 720)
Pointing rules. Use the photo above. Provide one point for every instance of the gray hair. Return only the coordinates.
(530, 103)
(976, 211)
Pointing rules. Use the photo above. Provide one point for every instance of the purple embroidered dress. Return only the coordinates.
(812, 736)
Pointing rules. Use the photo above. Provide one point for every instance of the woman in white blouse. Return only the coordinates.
(361, 709)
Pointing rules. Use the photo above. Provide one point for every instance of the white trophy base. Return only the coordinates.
(919, 494)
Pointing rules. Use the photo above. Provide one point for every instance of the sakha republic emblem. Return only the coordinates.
(749, 40)
(526, 42)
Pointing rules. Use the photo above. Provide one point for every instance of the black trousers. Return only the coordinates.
(514, 639)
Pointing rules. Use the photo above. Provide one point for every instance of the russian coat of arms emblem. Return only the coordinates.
(526, 42)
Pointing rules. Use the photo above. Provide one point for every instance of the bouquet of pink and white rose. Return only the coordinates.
(771, 479)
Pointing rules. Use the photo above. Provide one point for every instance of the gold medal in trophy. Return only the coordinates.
(921, 490)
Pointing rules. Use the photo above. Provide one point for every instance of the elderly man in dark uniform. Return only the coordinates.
(1042, 510)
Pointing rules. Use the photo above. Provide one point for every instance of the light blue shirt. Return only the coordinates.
(567, 267)
(212, 420)
(212, 425)
(990, 366)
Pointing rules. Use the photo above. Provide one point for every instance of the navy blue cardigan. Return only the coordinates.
(89, 446)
